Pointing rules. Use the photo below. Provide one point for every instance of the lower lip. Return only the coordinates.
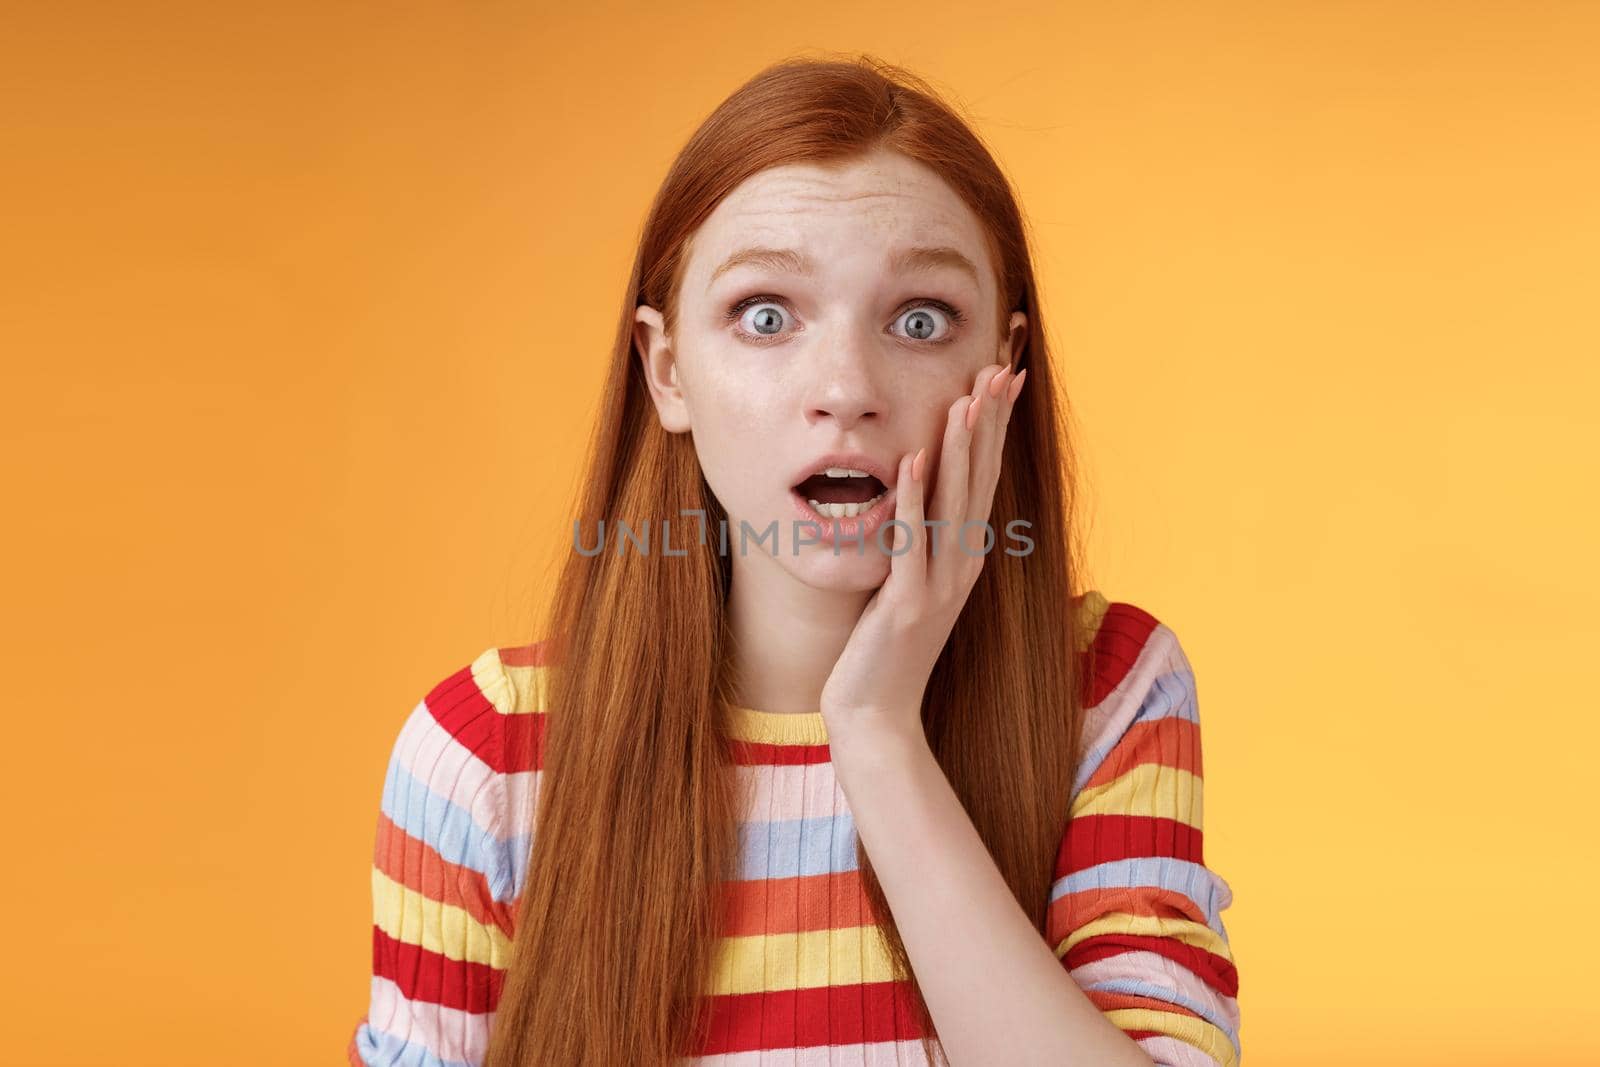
(862, 527)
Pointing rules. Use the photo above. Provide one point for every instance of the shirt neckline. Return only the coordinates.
(777, 727)
(809, 728)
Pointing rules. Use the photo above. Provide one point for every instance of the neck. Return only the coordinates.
(787, 636)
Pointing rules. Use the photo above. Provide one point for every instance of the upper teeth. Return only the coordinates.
(845, 472)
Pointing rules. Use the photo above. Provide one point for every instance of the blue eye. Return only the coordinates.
(767, 323)
(926, 323)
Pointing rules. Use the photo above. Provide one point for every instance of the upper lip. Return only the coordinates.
(855, 460)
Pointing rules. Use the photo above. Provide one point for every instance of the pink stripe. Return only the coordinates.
(448, 1033)
(1170, 1052)
(428, 752)
(522, 791)
(800, 791)
(1151, 968)
(1117, 709)
(871, 1054)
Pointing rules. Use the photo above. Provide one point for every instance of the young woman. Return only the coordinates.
(894, 794)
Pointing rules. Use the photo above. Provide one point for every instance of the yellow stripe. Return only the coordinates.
(406, 915)
(1091, 613)
(801, 960)
(1205, 1036)
(1149, 789)
(777, 727)
(512, 690)
(1187, 931)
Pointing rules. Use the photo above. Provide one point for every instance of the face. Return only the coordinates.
(828, 318)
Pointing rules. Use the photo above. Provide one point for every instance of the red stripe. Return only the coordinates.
(507, 743)
(1170, 741)
(523, 741)
(534, 654)
(1092, 839)
(419, 867)
(1112, 1001)
(1110, 656)
(759, 753)
(435, 978)
(1216, 971)
(524, 733)
(1076, 910)
(820, 1015)
(790, 905)
(460, 707)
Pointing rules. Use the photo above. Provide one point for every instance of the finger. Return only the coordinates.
(984, 389)
(909, 566)
(1016, 387)
(989, 451)
(950, 491)
(959, 499)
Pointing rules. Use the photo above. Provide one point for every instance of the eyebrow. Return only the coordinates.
(910, 260)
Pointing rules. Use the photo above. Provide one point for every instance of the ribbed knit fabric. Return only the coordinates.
(802, 975)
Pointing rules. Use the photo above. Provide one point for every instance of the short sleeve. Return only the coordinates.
(1135, 914)
(442, 901)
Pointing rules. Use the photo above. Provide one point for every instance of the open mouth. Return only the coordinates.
(841, 492)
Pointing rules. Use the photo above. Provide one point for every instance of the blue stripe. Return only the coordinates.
(379, 1048)
(787, 848)
(509, 887)
(1170, 695)
(1209, 892)
(450, 830)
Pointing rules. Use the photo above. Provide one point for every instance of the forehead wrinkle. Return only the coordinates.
(756, 206)
(922, 259)
(796, 194)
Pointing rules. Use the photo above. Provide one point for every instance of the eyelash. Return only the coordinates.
(957, 317)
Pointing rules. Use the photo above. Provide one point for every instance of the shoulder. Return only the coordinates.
(1114, 637)
(1138, 686)
(490, 709)
(465, 761)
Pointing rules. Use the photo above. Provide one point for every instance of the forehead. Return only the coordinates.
(874, 207)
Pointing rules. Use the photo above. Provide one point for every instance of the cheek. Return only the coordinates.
(732, 405)
(734, 423)
(930, 402)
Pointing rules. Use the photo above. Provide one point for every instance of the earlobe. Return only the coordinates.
(660, 369)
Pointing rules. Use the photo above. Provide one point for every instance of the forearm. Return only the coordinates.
(996, 990)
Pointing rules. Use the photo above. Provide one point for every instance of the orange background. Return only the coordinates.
(304, 313)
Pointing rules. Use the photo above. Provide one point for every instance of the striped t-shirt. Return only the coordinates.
(802, 976)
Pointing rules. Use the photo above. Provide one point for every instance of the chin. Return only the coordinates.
(819, 568)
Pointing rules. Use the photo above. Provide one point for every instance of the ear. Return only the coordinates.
(660, 367)
(1016, 339)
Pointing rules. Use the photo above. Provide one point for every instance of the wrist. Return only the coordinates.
(880, 731)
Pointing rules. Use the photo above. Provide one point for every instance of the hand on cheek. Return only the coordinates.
(879, 678)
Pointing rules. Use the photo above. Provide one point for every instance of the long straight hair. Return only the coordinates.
(636, 825)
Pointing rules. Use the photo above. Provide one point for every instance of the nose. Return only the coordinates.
(844, 385)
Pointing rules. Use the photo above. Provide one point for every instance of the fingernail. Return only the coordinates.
(972, 410)
(916, 465)
(998, 382)
(1016, 386)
